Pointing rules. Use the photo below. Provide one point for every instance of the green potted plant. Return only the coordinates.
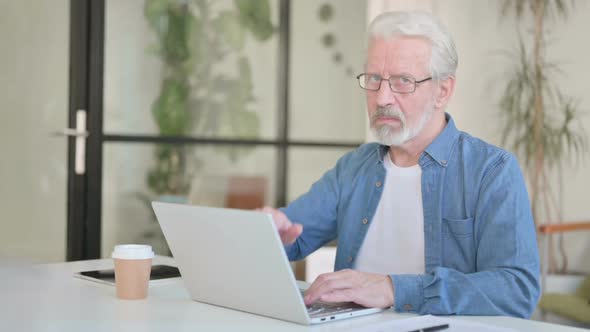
(541, 123)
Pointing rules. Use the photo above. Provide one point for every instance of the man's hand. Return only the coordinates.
(367, 289)
(288, 231)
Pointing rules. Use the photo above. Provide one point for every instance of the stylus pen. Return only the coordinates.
(432, 328)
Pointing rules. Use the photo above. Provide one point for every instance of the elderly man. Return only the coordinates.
(430, 219)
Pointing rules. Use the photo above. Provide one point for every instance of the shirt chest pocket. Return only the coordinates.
(458, 227)
(458, 247)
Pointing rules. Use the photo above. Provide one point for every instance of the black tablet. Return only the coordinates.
(158, 272)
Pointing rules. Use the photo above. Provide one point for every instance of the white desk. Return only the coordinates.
(48, 298)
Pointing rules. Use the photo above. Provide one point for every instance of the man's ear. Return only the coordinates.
(444, 92)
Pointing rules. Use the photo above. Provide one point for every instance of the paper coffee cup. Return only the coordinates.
(133, 264)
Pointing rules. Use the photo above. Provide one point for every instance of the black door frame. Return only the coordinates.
(85, 93)
(87, 26)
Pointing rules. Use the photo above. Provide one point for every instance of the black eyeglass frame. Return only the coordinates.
(358, 77)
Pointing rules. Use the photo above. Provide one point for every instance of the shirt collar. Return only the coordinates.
(439, 150)
(382, 150)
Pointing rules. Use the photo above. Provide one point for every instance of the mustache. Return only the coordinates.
(389, 112)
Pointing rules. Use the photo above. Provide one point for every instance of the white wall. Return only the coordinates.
(478, 33)
(326, 102)
(33, 103)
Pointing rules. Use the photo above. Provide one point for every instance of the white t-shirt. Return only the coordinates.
(394, 243)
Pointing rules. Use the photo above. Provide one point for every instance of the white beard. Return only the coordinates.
(390, 136)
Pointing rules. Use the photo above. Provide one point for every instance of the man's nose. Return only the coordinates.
(385, 96)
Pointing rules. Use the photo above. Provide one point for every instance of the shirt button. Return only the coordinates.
(365, 221)
(444, 162)
(349, 259)
(408, 307)
(378, 184)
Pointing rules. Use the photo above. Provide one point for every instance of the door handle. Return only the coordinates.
(71, 133)
(80, 133)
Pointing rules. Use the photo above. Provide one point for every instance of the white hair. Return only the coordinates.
(443, 60)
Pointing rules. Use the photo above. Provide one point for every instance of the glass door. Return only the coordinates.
(210, 102)
(190, 105)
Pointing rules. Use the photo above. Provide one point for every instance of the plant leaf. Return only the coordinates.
(170, 109)
(255, 15)
(228, 23)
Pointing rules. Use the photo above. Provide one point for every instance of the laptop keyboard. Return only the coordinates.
(325, 309)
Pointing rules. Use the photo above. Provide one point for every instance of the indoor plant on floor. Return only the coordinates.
(541, 123)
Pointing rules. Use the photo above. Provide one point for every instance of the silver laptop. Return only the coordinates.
(235, 259)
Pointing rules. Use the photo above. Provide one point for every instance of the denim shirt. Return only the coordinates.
(481, 255)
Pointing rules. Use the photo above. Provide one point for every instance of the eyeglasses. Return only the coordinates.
(397, 83)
